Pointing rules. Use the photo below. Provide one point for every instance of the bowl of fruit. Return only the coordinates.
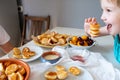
(81, 42)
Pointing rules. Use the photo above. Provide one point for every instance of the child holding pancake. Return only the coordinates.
(111, 17)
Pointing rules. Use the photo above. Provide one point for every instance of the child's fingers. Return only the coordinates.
(86, 20)
(94, 21)
(89, 20)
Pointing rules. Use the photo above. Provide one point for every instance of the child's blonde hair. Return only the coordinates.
(116, 2)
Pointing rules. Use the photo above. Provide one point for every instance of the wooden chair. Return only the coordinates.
(34, 25)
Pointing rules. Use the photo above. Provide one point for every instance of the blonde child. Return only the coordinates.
(111, 18)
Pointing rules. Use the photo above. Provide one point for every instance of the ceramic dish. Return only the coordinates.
(8, 62)
(50, 56)
(37, 50)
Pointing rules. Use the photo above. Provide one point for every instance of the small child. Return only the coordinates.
(111, 17)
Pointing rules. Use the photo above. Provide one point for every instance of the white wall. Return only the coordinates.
(42, 8)
(67, 13)
(73, 12)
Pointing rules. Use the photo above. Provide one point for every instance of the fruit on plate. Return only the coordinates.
(74, 39)
(83, 40)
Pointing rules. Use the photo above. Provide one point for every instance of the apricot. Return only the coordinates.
(74, 38)
(84, 37)
(85, 43)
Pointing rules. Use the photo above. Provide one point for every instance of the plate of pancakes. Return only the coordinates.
(26, 53)
(67, 70)
(50, 39)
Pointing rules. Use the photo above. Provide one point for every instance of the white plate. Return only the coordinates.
(85, 75)
(37, 50)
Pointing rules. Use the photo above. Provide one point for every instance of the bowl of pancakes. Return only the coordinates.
(13, 69)
(81, 42)
(50, 39)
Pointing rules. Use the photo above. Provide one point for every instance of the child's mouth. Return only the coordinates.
(109, 26)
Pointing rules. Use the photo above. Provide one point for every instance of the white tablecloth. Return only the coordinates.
(95, 64)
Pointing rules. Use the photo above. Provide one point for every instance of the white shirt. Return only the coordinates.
(4, 37)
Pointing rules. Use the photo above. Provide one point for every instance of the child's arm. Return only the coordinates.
(103, 31)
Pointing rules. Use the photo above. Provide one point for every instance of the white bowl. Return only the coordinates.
(81, 47)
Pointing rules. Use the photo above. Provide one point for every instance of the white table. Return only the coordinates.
(104, 45)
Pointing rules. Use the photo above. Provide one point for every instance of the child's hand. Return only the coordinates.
(87, 23)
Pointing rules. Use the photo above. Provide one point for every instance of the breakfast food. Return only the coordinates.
(12, 76)
(1, 67)
(25, 49)
(19, 76)
(84, 37)
(50, 75)
(62, 74)
(12, 71)
(81, 41)
(11, 68)
(94, 29)
(3, 76)
(17, 56)
(17, 53)
(59, 67)
(25, 53)
(51, 39)
(74, 70)
(21, 69)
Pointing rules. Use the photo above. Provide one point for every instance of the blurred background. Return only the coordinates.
(64, 13)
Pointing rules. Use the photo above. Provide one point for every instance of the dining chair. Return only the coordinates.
(34, 25)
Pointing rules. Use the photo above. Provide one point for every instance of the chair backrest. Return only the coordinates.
(34, 25)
